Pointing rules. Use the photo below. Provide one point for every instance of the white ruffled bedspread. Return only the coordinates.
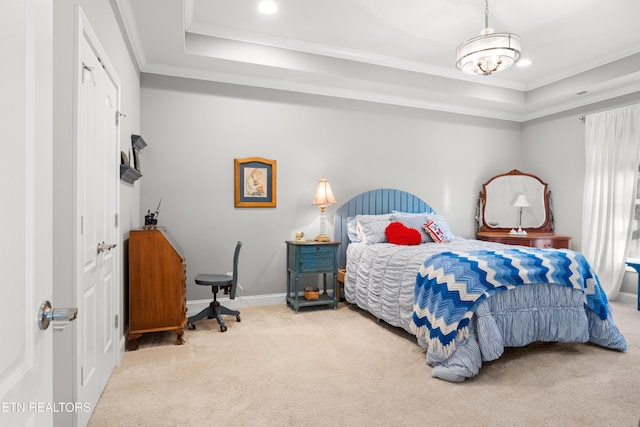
(381, 279)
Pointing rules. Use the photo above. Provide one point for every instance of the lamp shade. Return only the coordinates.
(324, 195)
(521, 201)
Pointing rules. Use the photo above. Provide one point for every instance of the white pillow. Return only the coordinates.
(371, 228)
(352, 231)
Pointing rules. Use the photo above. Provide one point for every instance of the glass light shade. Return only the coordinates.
(488, 53)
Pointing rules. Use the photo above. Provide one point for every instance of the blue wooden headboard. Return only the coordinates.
(374, 202)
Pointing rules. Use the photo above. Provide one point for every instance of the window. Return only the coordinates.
(634, 250)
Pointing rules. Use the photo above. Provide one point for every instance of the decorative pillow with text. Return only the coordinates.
(442, 224)
(435, 232)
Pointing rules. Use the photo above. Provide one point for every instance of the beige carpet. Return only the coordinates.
(342, 368)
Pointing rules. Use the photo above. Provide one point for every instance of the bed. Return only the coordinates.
(438, 291)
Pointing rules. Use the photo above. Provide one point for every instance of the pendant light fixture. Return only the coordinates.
(489, 52)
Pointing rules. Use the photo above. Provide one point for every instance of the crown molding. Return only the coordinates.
(124, 10)
(434, 103)
(220, 32)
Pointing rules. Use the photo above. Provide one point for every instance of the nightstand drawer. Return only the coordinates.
(317, 250)
(317, 264)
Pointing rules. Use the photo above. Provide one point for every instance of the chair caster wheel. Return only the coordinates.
(223, 328)
(191, 326)
(238, 319)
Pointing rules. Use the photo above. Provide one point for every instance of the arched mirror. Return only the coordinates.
(515, 199)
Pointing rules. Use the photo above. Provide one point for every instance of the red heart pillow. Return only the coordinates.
(399, 234)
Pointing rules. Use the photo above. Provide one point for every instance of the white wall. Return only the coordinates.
(195, 129)
(553, 149)
(103, 21)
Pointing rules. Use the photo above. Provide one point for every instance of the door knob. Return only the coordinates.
(60, 316)
(103, 247)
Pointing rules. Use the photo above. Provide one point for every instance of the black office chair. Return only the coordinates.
(218, 281)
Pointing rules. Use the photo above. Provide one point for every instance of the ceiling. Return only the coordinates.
(397, 52)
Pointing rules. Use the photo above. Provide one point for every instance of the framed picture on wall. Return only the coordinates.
(255, 183)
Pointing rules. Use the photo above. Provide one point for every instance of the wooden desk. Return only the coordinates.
(157, 285)
(533, 240)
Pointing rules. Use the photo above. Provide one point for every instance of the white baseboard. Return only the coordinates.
(195, 306)
(626, 298)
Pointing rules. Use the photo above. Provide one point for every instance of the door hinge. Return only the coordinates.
(117, 321)
(116, 215)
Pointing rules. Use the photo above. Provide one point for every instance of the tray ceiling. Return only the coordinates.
(401, 53)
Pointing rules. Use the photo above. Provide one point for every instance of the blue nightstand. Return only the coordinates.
(636, 267)
(304, 257)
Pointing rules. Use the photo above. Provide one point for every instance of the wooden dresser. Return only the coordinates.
(533, 239)
(157, 284)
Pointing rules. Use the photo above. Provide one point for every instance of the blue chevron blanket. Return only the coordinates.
(450, 285)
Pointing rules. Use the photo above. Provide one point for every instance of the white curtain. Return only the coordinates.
(612, 143)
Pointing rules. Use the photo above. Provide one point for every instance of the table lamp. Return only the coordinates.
(521, 202)
(324, 197)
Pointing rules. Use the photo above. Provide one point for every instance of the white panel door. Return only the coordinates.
(26, 388)
(96, 206)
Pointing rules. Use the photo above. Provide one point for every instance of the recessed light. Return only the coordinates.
(523, 63)
(268, 7)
